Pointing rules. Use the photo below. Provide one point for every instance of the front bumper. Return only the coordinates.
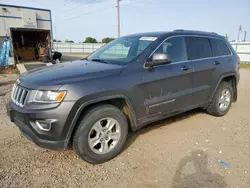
(54, 139)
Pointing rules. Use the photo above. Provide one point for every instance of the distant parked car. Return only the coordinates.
(92, 104)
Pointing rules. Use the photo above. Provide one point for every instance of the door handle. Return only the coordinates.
(216, 62)
(184, 68)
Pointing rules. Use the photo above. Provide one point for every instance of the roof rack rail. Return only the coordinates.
(179, 30)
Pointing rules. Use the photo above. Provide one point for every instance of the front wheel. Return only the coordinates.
(101, 134)
(222, 100)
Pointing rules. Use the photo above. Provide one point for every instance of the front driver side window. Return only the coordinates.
(174, 48)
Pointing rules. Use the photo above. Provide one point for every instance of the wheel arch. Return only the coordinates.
(230, 77)
(120, 101)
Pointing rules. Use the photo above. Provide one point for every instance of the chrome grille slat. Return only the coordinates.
(22, 96)
(19, 95)
(15, 93)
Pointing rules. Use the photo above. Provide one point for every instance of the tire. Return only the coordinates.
(87, 131)
(214, 107)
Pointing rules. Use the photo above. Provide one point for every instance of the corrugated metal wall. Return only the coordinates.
(13, 16)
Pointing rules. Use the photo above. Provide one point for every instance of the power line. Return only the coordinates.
(95, 1)
(66, 2)
(142, 1)
(102, 9)
(80, 5)
(88, 13)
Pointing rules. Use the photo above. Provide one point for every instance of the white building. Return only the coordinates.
(25, 26)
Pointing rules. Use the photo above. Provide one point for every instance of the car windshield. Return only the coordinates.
(122, 50)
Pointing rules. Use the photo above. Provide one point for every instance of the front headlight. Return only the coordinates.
(49, 96)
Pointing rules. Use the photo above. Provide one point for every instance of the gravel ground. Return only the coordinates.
(179, 152)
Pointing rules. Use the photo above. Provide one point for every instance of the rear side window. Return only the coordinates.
(198, 48)
(174, 48)
(219, 47)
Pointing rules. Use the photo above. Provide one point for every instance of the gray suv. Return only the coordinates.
(90, 105)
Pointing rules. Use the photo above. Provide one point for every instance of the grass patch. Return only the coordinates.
(245, 65)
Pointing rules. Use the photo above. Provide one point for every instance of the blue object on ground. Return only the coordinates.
(2, 55)
(7, 54)
(48, 52)
(5, 51)
(227, 165)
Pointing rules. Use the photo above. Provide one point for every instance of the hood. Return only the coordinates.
(53, 77)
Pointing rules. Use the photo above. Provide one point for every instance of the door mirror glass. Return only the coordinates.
(158, 59)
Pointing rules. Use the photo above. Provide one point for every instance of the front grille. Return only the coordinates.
(19, 95)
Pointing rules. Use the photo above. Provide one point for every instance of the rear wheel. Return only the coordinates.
(222, 100)
(101, 134)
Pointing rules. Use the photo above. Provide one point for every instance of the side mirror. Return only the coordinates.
(158, 59)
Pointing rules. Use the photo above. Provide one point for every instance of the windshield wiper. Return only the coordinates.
(99, 60)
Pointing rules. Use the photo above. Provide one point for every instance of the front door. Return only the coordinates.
(168, 88)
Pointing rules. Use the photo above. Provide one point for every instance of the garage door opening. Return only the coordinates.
(30, 44)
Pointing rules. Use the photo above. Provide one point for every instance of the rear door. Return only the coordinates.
(200, 55)
(222, 57)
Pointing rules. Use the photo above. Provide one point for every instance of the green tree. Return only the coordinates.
(69, 41)
(107, 40)
(90, 40)
(54, 40)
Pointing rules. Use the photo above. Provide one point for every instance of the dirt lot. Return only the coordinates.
(178, 152)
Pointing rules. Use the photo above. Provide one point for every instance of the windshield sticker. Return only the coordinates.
(148, 38)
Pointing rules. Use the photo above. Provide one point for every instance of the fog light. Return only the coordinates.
(44, 125)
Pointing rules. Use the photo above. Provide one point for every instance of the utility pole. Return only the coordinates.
(118, 18)
(227, 37)
(239, 31)
(245, 36)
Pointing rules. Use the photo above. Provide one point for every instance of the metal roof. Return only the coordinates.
(31, 8)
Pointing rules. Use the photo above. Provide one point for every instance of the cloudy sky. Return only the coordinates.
(77, 19)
